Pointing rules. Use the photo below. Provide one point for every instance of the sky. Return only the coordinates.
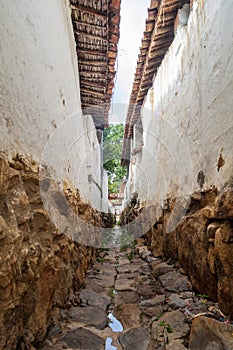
(132, 26)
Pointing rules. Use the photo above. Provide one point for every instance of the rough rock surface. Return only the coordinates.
(161, 269)
(42, 272)
(207, 334)
(202, 242)
(174, 321)
(174, 282)
(128, 315)
(81, 338)
(157, 319)
(41, 269)
(135, 339)
(92, 298)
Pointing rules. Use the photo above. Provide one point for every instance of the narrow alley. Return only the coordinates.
(116, 175)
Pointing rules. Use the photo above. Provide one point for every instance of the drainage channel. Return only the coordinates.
(116, 327)
(114, 324)
(108, 345)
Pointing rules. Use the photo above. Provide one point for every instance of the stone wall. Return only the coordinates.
(40, 268)
(202, 242)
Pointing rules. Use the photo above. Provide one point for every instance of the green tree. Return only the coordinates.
(112, 142)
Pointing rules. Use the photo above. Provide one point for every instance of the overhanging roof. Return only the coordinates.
(96, 30)
(157, 38)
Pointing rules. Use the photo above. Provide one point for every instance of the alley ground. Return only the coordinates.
(134, 301)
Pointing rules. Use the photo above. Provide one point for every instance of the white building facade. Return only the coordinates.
(41, 115)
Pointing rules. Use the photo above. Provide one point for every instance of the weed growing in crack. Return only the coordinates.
(96, 270)
(112, 292)
(166, 326)
(169, 328)
(100, 259)
(130, 256)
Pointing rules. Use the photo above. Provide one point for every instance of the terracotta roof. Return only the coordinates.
(96, 30)
(157, 38)
(120, 194)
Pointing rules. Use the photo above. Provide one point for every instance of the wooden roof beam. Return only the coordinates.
(88, 10)
(91, 52)
(91, 36)
(93, 63)
(92, 92)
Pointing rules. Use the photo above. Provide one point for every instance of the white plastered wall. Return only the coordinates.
(41, 113)
(191, 121)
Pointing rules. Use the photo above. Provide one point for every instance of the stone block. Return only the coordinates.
(210, 334)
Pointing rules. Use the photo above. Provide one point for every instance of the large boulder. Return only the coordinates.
(224, 205)
(223, 249)
(193, 253)
(209, 334)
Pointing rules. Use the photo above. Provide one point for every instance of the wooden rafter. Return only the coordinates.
(96, 28)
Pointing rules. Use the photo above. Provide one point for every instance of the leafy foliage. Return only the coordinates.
(113, 136)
